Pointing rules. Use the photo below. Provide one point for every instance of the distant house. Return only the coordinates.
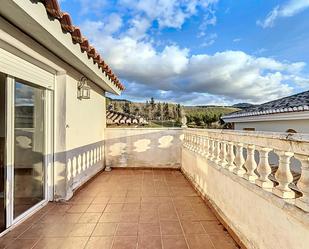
(289, 114)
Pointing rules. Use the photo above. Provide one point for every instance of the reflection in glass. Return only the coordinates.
(29, 147)
(2, 152)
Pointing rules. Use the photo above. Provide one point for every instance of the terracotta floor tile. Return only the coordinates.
(22, 244)
(174, 241)
(130, 217)
(117, 200)
(149, 229)
(96, 208)
(223, 242)
(100, 200)
(170, 228)
(125, 242)
(34, 232)
(113, 208)
(213, 227)
(89, 218)
(192, 227)
(150, 216)
(49, 243)
(110, 217)
(71, 217)
(149, 242)
(82, 229)
(78, 208)
(57, 230)
(99, 243)
(105, 229)
(127, 229)
(74, 243)
(131, 207)
(6, 241)
(199, 241)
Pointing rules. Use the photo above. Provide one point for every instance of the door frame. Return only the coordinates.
(48, 152)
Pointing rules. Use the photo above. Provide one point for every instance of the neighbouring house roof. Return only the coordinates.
(113, 117)
(295, 103)
(53, 9)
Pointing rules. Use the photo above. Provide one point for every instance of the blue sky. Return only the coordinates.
(200, 52)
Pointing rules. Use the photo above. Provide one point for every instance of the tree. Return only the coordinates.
(126, 108)
(166, 112)
(158, 113)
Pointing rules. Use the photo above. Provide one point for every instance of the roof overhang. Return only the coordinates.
(33, 19)
(269, 117)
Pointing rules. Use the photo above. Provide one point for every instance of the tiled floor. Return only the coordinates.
(124, 209)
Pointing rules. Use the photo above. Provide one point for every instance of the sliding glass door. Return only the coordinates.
(29, 147)
(2, 152)
(25, 146)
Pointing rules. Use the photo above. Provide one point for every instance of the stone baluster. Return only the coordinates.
(206, 147)
(185, 137)
(239, 160)
(193, 142)
(230, 156)
(190, 142)
(250, 164)
(264, 169)
(223, 154)
(284, 176)
(216, 158)
(303, 183)
(197, 144)
(201, 145)
(211, 149)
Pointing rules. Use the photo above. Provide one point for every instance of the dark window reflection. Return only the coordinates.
(2, 152)
(29, 147)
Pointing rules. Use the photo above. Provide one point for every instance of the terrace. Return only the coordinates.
(183, 188)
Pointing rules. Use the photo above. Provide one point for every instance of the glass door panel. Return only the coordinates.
(2, 151)
(29, 141)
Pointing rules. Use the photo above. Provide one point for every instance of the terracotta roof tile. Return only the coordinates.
(53, 9)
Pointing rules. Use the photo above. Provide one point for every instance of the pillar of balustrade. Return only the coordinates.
(193, 143)
(284, 176)
(250, 164)
(264, 169)
(198, 144)
(185, 137)
(201, 145)
(239, 160)
(211, 149)
(190, 142)
(303, 183)
(230, 156)
(206, 147)
(216, 158)
(223, 154)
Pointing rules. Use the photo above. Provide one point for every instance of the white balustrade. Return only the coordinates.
(250, 164)
(216, 158)
(303, 183)
(239, 160)
(230, 156)
(223, 154)
(264, 169)
(220, 149)
(284, 176)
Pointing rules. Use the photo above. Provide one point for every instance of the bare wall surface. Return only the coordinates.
(300, 126)
(143, 147)
(260, 219)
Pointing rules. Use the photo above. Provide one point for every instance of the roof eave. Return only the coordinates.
(33, 19)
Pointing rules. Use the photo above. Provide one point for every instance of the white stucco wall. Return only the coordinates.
(300, 126)
(259, 218)
(77, 126)
(148, 147)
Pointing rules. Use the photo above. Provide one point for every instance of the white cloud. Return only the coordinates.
(290, 8)
(233, 75)
(237, 40)
(168, 13)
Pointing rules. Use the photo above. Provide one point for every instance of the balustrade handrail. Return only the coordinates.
(226, 149)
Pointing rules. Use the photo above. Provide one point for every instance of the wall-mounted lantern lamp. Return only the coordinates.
(83, 89)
